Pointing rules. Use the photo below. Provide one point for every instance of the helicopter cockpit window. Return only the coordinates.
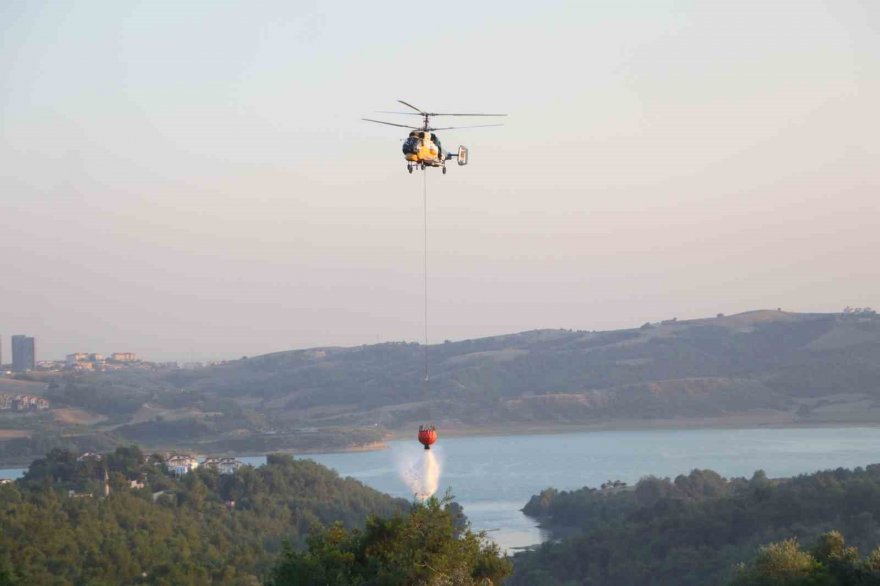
(411, 145)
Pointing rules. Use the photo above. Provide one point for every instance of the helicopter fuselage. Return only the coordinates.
(423, 148)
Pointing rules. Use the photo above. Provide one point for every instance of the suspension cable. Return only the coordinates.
(425, 210)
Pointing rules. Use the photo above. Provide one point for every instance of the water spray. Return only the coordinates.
(420, 471)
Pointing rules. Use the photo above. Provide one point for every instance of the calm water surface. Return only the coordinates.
(493, 477)
(12, 473)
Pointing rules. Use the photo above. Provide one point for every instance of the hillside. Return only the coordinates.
(760, 367)
(695, 529)
(202, 528)
(13, 386)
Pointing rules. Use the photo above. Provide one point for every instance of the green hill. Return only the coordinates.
(202, 528)
(696, 529)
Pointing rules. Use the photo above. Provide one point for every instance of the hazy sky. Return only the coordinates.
(191, 180)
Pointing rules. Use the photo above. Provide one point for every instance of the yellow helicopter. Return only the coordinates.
(422, 147)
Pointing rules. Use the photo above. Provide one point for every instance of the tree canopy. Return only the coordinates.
(202, 528)
(421, 547)
(830, 563)
(695, 529)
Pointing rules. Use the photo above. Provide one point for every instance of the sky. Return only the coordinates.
(192, 180)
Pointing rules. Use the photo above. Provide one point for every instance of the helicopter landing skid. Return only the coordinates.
(424, 165)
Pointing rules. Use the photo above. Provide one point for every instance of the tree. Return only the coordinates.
(831, 563)
(781, 564)
(6, 573)
(651, 489)
(416, 548)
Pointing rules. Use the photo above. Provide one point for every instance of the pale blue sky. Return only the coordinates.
(191, 179)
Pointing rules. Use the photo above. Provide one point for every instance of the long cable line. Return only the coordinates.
(425, 210)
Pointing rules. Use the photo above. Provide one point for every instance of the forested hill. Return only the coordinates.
(751, 368)
(696, 529)
(57, 527)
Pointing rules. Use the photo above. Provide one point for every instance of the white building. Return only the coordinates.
(76, 358)
(180, 464)
(223, 465)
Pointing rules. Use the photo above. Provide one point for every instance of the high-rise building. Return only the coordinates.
(23, 353)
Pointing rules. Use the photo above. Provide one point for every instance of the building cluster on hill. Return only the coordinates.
(22, 402)
(24, 359)
(181, 464)
(94, 362)
(176, 464)
(84, 361)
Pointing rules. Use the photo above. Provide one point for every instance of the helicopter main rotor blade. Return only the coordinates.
(432, 113)
(445, 114)
(411, 106)
(460, 127)
(391, 123)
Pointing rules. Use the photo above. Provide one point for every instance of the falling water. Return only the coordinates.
(420, 471)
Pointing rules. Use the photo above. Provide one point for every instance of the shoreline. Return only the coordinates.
(500, 430)
(450, 430)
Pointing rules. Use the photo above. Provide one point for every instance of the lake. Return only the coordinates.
(493, 477)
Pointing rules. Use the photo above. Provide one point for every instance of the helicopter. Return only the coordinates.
(422, 148)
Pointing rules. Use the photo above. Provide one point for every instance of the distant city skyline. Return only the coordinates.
(192, 181)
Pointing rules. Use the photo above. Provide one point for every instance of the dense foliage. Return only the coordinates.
(693, 530)
(421, 547)
(202, 528)
(831, 563)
